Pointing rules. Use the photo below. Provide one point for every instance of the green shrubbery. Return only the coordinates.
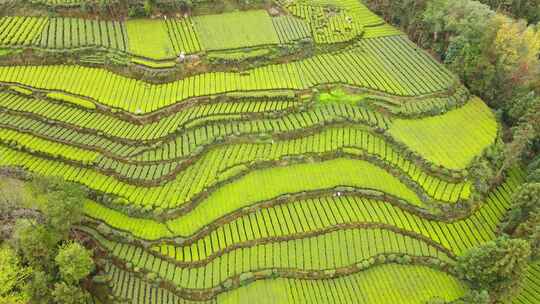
(523, 219)
(497, 267)
(38, 262)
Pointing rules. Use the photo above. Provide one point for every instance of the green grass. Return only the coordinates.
(452, 139)
(307, 215)
(5, 52)
(154, 64)
(355, 141)
(348, 20)
(141, 228)
(59, 2)
(20, 31)
(54, 149)
(530, 293)
(72, 99)
(236, 30)
(387, 284)
(253, 188)
(127, 285)
(147, 229)
(380, 31)
(116, 127)
(149, 38)
(333, 173)
(65, 33)
(238, 55)
(291, 29)
(317, 252)
(329, 27)
(21, 90)
(339, 95)
(365, 66)
(308, 254)
(183, 36)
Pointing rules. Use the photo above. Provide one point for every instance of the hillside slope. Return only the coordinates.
(339, 175)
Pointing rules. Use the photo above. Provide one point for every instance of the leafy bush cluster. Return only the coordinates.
(38, 261)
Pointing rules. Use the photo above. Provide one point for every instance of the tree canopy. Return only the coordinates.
(39, 263)
(497, 266)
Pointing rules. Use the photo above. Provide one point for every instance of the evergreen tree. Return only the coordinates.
(497, 266)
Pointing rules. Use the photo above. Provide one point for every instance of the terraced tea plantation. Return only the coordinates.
(321, 176)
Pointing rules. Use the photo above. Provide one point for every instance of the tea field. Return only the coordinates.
(335, 175)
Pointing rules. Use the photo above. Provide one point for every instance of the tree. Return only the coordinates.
(64, 208)
(39, 287)
(514, 52)
(12, 202)
(457, 24)
(497, 266)
(522, 105)
(64, 293)
(524, 202)
(496, 56)
(534, 176)
(406, 14)
(523, 134)
(481, 173)
(36, 243)
(524, 112)
(527, 9)
(471, 297)
(11, 195)
(57, 266)
(74, 262)
(61, 203)
(148, 7)
(523, 218)
(530, 230)
(475, 297)
(13, 277)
